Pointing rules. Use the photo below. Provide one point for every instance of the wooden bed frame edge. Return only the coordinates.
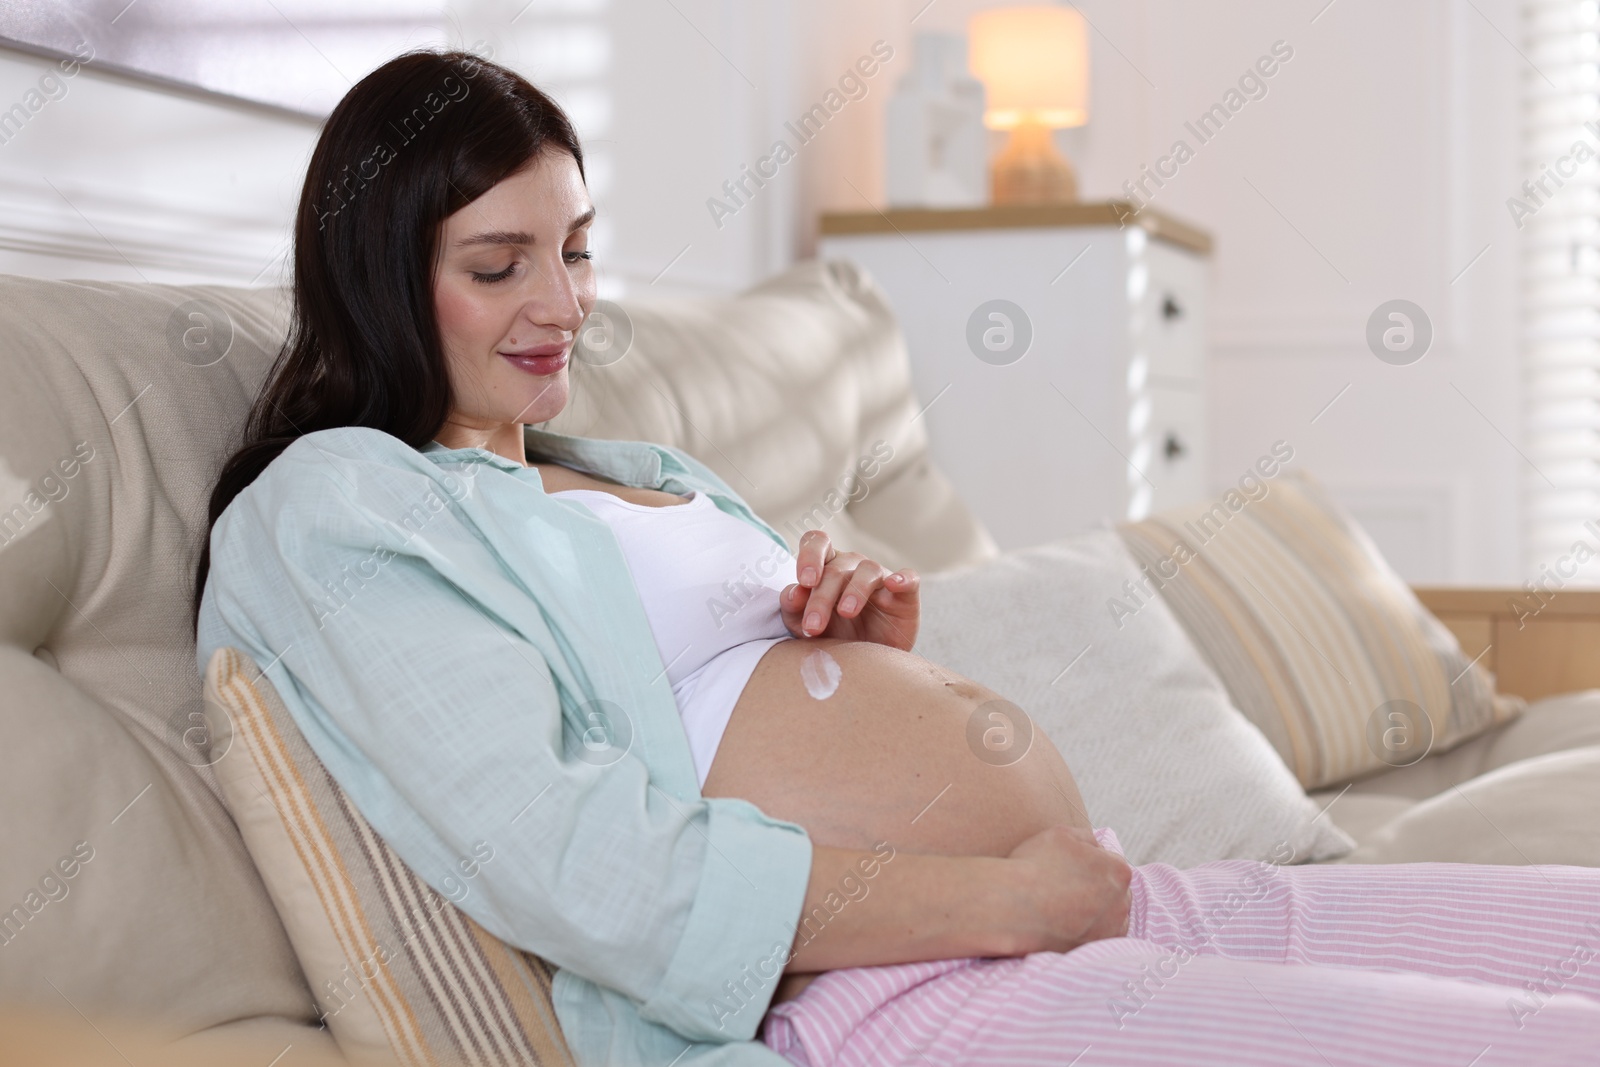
(1536, 644)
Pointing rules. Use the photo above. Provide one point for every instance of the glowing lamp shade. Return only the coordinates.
(1034, 64)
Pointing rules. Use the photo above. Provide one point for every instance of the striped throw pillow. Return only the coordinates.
(401, 974)
(1318, 641)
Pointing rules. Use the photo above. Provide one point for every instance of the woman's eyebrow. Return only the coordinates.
(496, 237)
(518, 237)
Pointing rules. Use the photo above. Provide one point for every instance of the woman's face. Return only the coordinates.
(512, 285)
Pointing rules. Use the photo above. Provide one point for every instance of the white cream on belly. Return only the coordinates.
(820, 672)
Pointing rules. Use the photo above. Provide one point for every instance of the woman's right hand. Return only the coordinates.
(1070, 891)
(1057, 890)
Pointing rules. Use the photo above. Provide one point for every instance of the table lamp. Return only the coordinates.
(1034, 64)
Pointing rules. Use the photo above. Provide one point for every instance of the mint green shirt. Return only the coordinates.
(469, 658)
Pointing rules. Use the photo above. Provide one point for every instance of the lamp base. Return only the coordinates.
(1029, 170)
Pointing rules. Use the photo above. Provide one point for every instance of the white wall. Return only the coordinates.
(1389, 143)
(1380, 161)
(1376, 167)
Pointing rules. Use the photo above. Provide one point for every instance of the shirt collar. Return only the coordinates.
(640, 464)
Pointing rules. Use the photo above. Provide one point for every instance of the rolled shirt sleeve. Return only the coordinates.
(465, 663)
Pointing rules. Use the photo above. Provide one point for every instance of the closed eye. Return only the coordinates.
(490, 279)
(500, 276)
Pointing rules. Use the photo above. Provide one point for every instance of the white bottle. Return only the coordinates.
(937, 144)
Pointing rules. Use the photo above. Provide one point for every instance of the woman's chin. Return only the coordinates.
(544, 399)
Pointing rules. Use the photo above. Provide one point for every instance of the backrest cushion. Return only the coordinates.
(401, 975)
(114, 415)
(1317, 639)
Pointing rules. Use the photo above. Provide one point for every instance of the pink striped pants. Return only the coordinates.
(1239, 962)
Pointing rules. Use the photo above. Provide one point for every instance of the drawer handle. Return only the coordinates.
(1171, 309)
(1173, 448)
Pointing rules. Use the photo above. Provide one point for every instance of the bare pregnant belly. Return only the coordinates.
(861, 743)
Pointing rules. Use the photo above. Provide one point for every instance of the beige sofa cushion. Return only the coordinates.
(108, 435)
(1554, 724)
(1520, 795)
(60, 1037)
(1536, 810)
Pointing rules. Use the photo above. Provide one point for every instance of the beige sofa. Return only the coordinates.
(129, 897)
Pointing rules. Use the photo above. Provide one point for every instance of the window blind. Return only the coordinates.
(1558, 215)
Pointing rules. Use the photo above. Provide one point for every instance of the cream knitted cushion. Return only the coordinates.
(1160, 755)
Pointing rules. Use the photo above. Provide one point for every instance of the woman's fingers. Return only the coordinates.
(866, 579)
(815, 550)
(903, 582)
(792, 606)
(897, 610)
(835, 576)
(1079, 891)
(899, 593)
(831, 584)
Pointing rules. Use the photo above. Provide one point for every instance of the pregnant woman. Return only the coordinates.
(767, 823)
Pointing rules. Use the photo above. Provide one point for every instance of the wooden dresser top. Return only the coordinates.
(1014, 216)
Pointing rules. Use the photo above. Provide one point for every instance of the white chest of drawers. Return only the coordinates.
(1061, 355)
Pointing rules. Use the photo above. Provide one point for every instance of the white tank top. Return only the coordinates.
(709, 582)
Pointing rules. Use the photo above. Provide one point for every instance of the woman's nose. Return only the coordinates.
(553, 303)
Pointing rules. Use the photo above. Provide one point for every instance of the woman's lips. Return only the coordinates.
(540, 361)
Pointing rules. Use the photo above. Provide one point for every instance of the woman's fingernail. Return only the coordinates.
(847, 604)
(813, 621)
(808, 576)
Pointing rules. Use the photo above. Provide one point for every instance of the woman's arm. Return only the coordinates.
(431, 668)
(1057, 890)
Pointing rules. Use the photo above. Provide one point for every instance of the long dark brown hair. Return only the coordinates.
(409, 145)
